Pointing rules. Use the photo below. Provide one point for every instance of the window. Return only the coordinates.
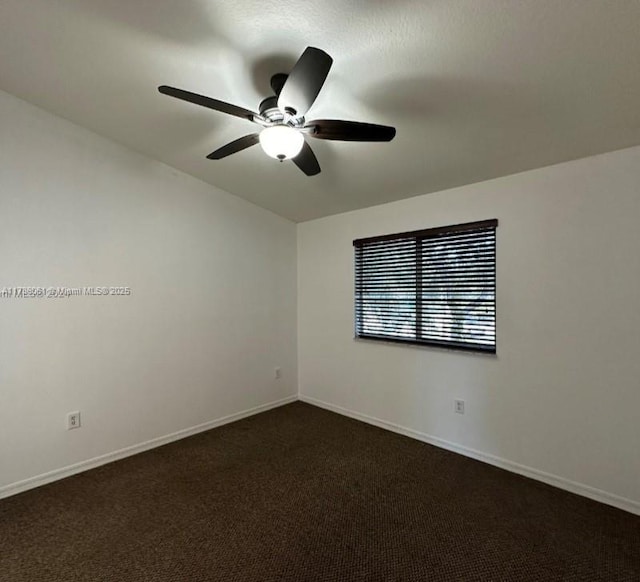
(434, 287)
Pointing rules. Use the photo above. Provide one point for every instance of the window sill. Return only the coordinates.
(472, 350)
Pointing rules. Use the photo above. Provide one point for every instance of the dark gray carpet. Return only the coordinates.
(301, 494)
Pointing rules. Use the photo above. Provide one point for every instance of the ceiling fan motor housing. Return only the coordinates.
(277, 82)
(268, 108)
(270, 111)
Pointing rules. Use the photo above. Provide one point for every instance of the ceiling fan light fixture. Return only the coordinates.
(281, 142)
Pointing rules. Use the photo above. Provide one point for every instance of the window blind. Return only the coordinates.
(434, 286)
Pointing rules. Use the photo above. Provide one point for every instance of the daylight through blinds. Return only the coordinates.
(435, 286)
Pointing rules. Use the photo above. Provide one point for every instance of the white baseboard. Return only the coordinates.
(585, 490)
(55, 475)
(560, 482)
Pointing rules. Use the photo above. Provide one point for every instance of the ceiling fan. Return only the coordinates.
(282, 116)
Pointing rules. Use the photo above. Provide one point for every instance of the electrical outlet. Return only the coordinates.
(458, 406)
(73, 420)
(277, 372)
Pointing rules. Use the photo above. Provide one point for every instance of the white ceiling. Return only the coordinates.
(476, 88)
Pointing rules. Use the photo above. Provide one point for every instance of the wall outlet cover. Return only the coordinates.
(73, 420)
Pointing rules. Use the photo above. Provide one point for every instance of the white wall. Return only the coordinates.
(561, 400)
(212, 310)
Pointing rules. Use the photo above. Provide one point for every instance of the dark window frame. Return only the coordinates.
(406, 267)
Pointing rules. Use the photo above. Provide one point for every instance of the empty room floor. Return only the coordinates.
(302, 494)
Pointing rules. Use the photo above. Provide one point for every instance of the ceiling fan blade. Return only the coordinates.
(304, 82)
(349, 130)
(235, 146)
(306, 160)
(209, 102)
